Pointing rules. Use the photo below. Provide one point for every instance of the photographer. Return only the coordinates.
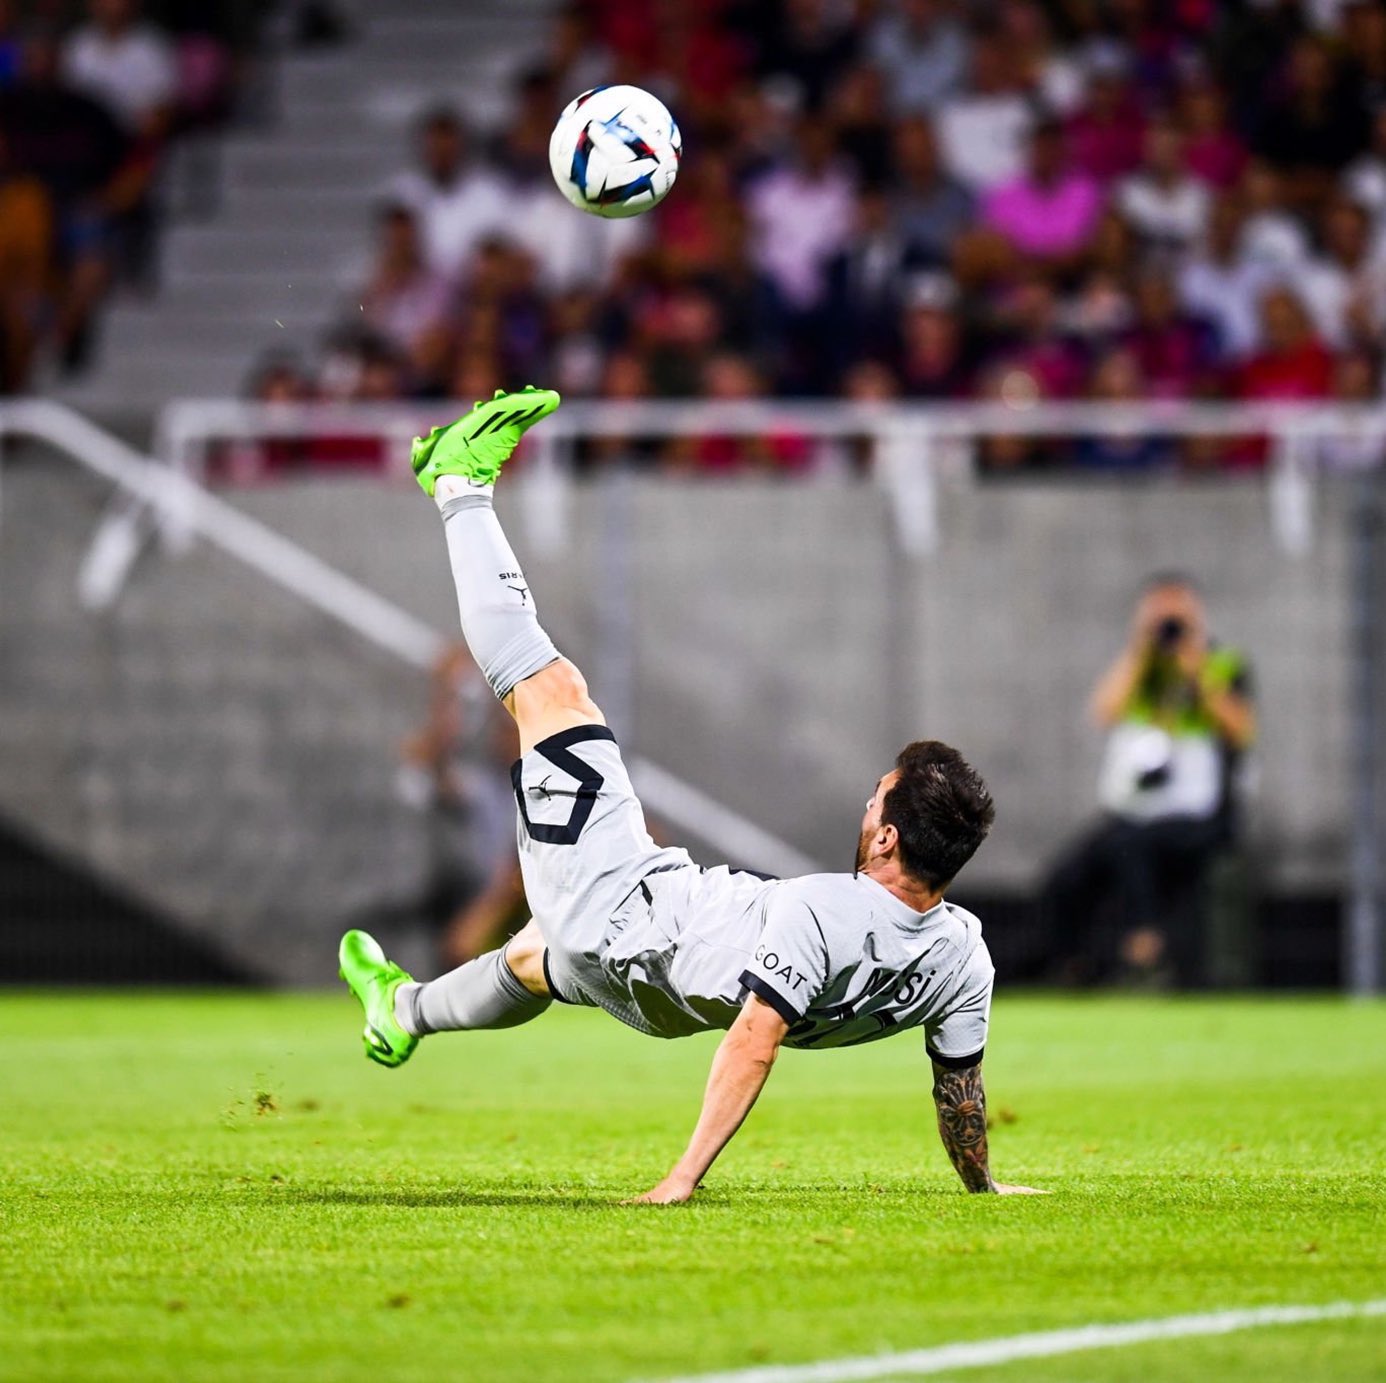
(1178, 711)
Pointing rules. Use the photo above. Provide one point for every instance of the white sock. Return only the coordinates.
(499, 621)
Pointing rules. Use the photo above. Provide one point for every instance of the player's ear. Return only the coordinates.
(887, 838)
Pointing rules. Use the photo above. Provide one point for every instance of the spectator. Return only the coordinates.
(1344, 287)
(11, 50)
(1034, 358)
(1224, 286)
(1356, 383)
(456, 201)
(1177, 709)
(624, 380)
(1317, 128)
(1364, 42)
(749, 304)
(476, 375)
(921, 50)
(576, 52)
(801, 215)
(931, 208)
(1175, 352)
(1106, 134)
(811, 45)
(1364, 180)
(128, 66)
(1271, 236)
(1293, 362)
(406, 302)
(1164, 204)
(456, 767)
(73, 146)
(676, 336)
(1213, 152)
(933, 359)
(1054, 78)
(866, 281)
(982, 132)
(1050, 213)
(504, 311)
(729, 378)
(26, 244)
(1117, 378)
(859, 116)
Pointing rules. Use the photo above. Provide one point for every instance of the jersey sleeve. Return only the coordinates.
(789, 969)
(957, 1036)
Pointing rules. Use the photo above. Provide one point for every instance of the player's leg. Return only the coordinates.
(501, 989)
(457, 466)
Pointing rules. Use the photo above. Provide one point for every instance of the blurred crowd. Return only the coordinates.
(92, 96)
(913, 199)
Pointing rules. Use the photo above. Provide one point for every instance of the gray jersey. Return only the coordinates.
(673, 949)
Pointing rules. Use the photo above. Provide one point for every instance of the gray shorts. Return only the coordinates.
(584, 852)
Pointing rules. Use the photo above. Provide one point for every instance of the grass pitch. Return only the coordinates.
(221, 1187)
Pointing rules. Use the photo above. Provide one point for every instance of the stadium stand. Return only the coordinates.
(917, 199)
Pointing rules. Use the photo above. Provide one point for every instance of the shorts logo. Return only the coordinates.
(556, 749)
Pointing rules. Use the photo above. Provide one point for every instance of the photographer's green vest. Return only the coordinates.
(1165, 758)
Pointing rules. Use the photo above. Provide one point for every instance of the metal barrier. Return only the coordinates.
(909, 446)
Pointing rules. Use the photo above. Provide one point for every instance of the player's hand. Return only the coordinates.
(671, 1191)
(1003, 1190)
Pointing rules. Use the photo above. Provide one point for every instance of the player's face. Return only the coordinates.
(871, 822)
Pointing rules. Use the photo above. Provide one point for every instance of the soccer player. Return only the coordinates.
(828, 960)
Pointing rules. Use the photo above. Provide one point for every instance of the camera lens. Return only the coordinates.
(1169, 632)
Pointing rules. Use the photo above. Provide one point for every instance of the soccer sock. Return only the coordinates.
(483, 993)
(499, 621)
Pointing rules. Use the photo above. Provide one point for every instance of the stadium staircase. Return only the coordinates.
(277, 264)
(210, 749)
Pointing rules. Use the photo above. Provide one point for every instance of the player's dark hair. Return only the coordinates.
(941, 809)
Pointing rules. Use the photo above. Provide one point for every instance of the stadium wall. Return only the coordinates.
(228, 755)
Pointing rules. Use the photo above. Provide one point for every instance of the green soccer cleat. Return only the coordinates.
(373, 980)
(478, 444)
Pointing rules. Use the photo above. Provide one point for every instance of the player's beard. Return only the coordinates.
(863, 849)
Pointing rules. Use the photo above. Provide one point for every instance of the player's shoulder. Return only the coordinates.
(818, 891)
(965, 932)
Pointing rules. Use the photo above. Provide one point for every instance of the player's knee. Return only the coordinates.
(559, 687)
(524, 954)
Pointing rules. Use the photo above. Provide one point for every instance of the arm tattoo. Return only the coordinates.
(962, 1123)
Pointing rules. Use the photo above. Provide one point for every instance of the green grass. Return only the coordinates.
(221, 1187)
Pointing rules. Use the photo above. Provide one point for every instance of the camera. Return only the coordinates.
(1169, 633)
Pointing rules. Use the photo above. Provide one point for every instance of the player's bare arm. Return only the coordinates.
(739, 1072)
(961, 1100)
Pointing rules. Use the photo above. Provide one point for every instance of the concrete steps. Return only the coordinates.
(292, 238)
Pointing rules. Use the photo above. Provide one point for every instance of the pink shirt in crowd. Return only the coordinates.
(1052, 220)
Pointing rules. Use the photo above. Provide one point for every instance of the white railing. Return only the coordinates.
(908, 441)
(150, 494)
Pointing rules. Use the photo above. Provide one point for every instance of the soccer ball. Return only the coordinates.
(615, 151)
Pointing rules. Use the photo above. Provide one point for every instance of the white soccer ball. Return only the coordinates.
(615, 151)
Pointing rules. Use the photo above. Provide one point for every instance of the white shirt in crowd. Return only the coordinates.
(1331, 294)
(1274, 238)
(799, 223)
(982, 138)
(1172, 214)
(132, 75)
(1228, 296)
(454, 218)
(921, 70)
(569, 251)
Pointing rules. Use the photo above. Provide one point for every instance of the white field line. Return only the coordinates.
(975, 1354)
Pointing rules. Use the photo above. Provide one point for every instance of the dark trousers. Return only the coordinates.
(1126, 875)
